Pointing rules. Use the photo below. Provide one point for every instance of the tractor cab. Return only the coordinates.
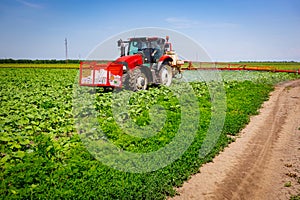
(151, 48)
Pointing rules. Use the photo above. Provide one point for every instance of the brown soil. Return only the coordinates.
(263, 162)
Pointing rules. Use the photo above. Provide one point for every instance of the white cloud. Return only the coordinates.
(181, 23)
(29, 4)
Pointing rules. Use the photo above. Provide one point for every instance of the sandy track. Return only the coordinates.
(263, 161)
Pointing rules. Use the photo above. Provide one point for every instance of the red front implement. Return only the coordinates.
(103, 75)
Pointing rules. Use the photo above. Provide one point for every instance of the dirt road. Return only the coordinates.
(264, 162)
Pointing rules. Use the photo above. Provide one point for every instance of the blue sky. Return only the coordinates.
(229, 30)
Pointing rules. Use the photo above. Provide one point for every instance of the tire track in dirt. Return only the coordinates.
(265, 156)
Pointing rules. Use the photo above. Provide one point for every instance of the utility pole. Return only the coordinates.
(66, 45)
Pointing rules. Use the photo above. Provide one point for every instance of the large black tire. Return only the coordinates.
(125, 81)
(138, 80)
(165, 75)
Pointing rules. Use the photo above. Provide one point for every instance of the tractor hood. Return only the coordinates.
(131, 61)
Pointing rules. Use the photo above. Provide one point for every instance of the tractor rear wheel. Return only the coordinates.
(165, 75)
(138, 80)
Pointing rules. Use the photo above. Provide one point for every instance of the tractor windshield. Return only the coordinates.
(150, 48)
(135, 46)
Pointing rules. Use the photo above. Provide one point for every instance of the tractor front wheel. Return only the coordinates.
(138, 80)
(165, 75)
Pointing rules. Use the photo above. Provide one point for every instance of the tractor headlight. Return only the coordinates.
(124, 68)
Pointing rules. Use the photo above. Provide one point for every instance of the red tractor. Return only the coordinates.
(143, 61)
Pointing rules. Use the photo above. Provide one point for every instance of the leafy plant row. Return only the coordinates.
(41, 65)
(28, 61)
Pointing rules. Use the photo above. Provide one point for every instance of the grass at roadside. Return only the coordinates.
(295, 197)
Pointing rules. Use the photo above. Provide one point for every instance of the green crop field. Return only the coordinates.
(33, 65)
(272, 65)
(42, 155)
(268, 65)
(276, 65)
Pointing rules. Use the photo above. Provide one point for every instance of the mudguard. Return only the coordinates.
(163, 60)
(131, 61)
